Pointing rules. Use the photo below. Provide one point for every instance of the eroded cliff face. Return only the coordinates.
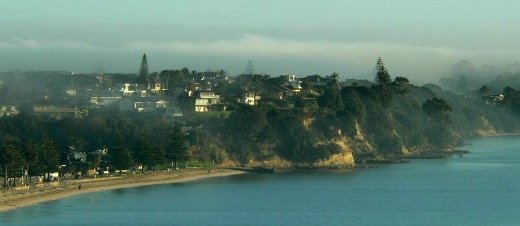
(487, 128)
(344, 159)
(274, 162)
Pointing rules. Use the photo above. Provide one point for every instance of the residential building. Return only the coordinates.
(8, 110)
(158, 88)
(172, 114)
(294, 84)
(208, 101)
(250, 98)
(60, 111)
(132, 89)
(104, 100)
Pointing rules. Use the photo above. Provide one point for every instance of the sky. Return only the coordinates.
(418, 39)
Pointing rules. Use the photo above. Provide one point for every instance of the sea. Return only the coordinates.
(479, 188)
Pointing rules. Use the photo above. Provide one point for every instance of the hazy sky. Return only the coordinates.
(417, 39)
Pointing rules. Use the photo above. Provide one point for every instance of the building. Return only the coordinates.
(250, 98)
(60, 111)
(142, 104)
(8, 110)
(208, 101)
(158, 88)
(71, 92)
(131, 89)
(294, 84)
(192, 87)
(172, 114)
(104, 100)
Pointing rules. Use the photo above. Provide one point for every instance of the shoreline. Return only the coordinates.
(16, 199)
(501, 134)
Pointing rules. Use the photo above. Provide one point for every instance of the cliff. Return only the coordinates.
(357, 124)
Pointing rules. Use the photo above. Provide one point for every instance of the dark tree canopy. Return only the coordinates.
(382, 75)
(120, 157)
(436, 108)
(176, 150)
(143, 70)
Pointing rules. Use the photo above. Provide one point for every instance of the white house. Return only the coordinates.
(130, 89)
(8, 110)
(294, 84)
(207, 101)
(250, 98)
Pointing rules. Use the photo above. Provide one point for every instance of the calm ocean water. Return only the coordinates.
(481, 188)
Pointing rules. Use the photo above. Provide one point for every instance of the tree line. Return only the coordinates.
(37, 146)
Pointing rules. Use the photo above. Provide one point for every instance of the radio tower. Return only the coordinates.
(249, 70)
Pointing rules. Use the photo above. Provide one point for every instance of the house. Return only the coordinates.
(142, 104)
(161, 103)
(104, 100)
(250, 98)
(208, 101)
(278, 92)
(493, 99)
(158, 88)
(71, 92)
(192, 87)
(8, 110)
(131, 89)
(101, 151)
(172, 114)
(294, 84)
(60, 111)
(75, 155)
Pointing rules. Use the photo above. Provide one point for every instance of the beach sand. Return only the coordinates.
(16, 199)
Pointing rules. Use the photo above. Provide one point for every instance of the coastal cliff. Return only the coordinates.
(360, 126)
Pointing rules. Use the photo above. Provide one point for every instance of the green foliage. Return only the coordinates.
(382, 76)
(121, 157)
(331, 99)
(11, 160)
(437, 109)
(176, 149)
(143, 69)
(49, 161)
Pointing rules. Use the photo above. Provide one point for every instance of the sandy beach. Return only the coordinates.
(15, 199)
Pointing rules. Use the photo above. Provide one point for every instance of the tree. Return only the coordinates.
(333, 78)
(437, 108)
(120, 157)
(383, 83)
(331, 99)
(401, 84)
(382, 76)
(176, 150)
(484, 90)
(31, 157)
(50, 156)
(143, 152)
(11, 160)
(143, 70)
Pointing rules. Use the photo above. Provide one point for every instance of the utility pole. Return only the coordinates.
(249, 70)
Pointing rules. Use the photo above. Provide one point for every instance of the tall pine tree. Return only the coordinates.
(143, 152)
(382, 76)
(51, 161)
(143, 70)
(176, 150)
(384, 83)
(120, 157)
